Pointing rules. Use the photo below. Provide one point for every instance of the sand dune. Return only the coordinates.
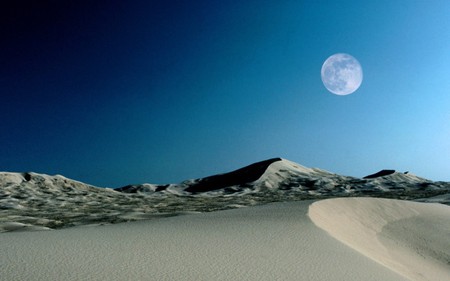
(382, 239)
(271, 242)
(411, 238)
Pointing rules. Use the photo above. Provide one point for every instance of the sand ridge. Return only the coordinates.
(411, 238)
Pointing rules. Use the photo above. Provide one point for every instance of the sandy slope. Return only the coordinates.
(411, 238)
(271, 242)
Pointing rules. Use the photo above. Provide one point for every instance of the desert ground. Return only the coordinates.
(272, 220)
(306, 240)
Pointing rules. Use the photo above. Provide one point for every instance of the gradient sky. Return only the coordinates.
(118, 92)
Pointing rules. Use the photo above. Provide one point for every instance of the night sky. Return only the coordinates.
(118, 92)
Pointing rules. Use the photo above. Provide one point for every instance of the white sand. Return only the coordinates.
(271, 242)
(411, 238)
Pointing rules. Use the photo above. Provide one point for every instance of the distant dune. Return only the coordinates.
(31, 201)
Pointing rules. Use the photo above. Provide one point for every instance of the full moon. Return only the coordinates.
(341, 74)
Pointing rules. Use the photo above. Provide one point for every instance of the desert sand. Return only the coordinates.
(271, 242)
(410, 238)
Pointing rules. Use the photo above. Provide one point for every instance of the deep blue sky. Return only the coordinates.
(118, 92)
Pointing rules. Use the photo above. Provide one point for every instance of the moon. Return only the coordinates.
(341, 74)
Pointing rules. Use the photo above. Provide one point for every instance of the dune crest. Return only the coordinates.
(397, 234)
